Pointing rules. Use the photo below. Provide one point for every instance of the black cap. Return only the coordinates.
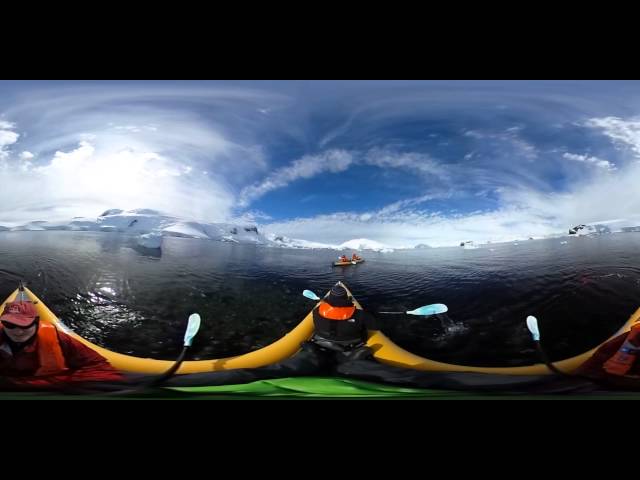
(338, 297)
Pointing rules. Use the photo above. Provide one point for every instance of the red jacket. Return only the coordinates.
(83, 365)
(593, 366)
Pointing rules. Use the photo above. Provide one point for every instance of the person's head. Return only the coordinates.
(338, 297)
(19, 321)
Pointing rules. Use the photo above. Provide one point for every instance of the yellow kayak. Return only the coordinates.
(273, 353)
(384, 349)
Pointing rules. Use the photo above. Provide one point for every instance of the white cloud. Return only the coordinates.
(525, 213)
(199, 125)
(7, 137)
(65, 163)
(420, 162)
(308, 166)
(252, 217)
(625, 132)
(89, 179)
(337, 132)
(132, 145)
(475, 134)
(335, 161)
(598, 162)
(509, 136)
(402, 205)
(26, 155)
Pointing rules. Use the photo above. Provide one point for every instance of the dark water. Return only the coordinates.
(128, 300)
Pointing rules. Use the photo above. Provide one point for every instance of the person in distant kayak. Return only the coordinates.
(35, 355)
(343, 258)
(355, 257)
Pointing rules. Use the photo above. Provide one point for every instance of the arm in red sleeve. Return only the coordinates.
(83, 365)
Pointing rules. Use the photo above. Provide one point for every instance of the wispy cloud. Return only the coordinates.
(403, 205)
(308, 166)
(336, 161)
(252, 217)
(623, 132)
(88, 179)
(510, 136)
(523, 213)
(7, 137)
(598, 162)
(418, 162)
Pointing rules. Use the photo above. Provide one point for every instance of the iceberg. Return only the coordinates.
(150, 240)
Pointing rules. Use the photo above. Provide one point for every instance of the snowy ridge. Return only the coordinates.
(152, 225)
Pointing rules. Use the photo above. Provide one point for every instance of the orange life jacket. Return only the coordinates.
(625, 357)
(336, 313)
(50, 356)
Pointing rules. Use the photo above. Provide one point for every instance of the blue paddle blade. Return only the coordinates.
(192, 329)
(433, 309)
(309, 294)
(532, 325)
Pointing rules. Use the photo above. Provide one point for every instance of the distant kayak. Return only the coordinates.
(350, 262)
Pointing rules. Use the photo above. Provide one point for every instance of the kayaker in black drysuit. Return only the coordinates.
(338, 348)
(339, 339)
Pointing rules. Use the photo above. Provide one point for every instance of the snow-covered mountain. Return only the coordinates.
(151, 225)
(607, 226)
(365, 244)
(357, 244)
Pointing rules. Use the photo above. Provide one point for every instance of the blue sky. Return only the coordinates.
(399, 162)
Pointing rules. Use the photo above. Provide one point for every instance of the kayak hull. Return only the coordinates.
(385, 351)
(273, 353)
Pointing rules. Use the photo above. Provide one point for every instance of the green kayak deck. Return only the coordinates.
(317, 388)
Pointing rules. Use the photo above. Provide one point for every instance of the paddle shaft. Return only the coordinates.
(174, 368)
(154, 382)
(547, 362)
